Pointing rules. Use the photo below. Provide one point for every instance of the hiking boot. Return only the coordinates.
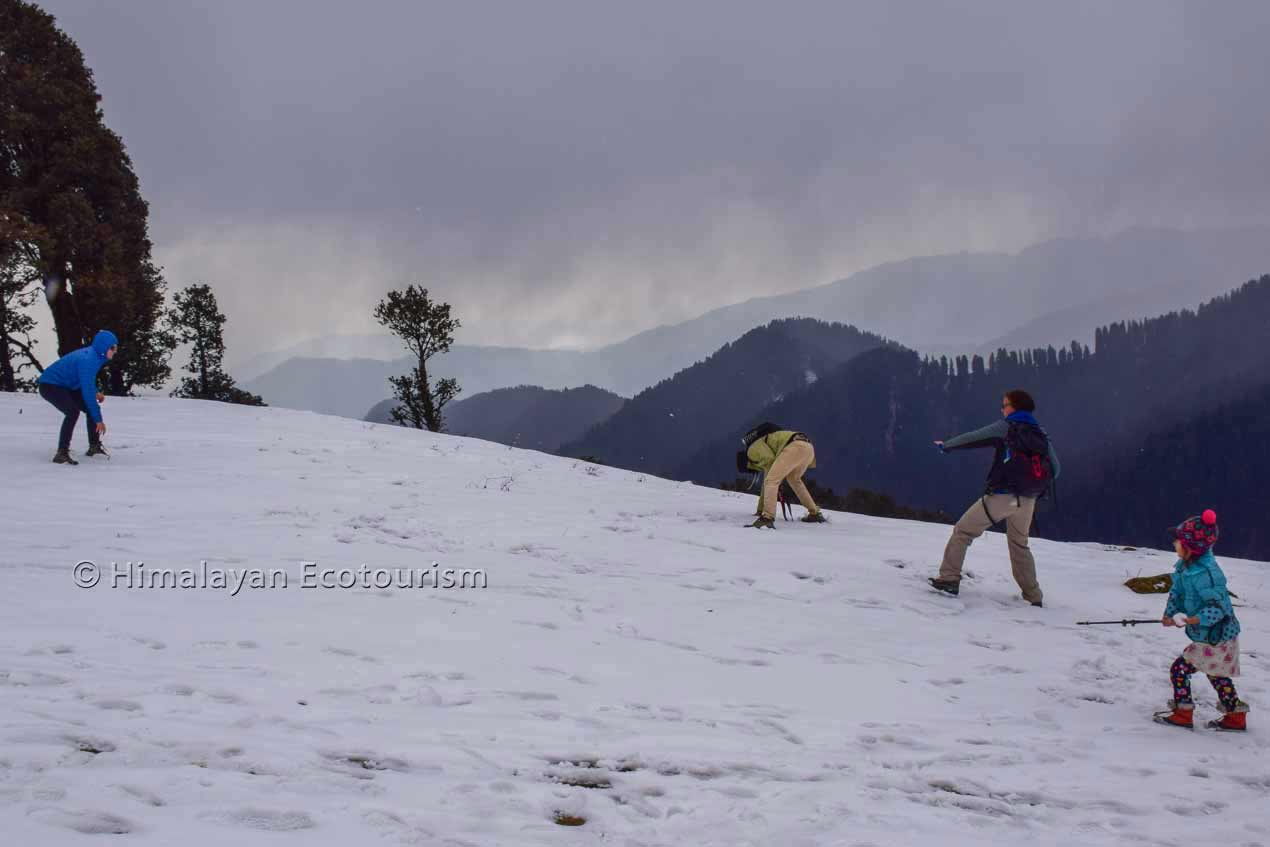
(945, 585)
(1178, 714)
(95, 449)
(763, 523)
(813, 517)
(1232, 722)
(63, 457)
(1236, 721)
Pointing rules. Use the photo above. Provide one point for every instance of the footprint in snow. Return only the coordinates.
(352, 654)
(86, 822)
(781, 731)
(31, 679)
(365, 760)
(152, 643)
(529, 695)
(539, 624)
(754, 663)
(942, 683)
(990, 645)
(869, 603)
(55, 649)
(572, 677)
(267, 820)
(142, 795)
(1001, 669)
(408, 833)
(91, 744)
(227, 697)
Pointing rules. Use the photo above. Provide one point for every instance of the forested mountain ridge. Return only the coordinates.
(662, 426)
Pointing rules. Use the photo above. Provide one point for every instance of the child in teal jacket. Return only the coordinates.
(1199, 592)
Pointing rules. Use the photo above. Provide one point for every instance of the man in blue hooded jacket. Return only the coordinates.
(1024, 466)
(70, 384)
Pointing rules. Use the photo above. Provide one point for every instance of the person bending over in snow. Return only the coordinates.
(1199, 592)
(70, 384)
(782, 456)
(1023, 469)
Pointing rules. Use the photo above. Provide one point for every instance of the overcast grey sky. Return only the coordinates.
(569, 173)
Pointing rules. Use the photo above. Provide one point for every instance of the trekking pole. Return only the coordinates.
(1114, 623)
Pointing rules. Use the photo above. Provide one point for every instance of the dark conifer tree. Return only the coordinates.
(196, 320)
(427, 329)
(70, 202)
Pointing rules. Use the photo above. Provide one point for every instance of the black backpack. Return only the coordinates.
(1026, 467)
(761, 431)
(747, 440)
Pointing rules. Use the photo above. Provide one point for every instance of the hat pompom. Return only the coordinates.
(1209, 517)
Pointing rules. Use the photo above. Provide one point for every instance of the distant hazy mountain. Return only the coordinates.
(346, 387)
(350, 387)
(960, 303)
(526, 416)
(1080, 323)
(664, 425)
(378, 346)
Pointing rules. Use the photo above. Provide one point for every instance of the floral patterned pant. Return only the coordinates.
(1181, 676)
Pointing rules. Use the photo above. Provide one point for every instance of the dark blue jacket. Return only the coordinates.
(993, 435)
(78, 371)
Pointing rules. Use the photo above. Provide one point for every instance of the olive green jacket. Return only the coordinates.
(762, 453)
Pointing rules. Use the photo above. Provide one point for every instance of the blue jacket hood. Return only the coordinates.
(1023, 417)
(103, 341)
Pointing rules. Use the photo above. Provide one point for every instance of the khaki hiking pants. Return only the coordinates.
(1017, 514)
(790, 465)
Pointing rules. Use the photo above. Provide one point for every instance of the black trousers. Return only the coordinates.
(69, 403)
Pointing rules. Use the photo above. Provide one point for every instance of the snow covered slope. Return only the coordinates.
(637, 660)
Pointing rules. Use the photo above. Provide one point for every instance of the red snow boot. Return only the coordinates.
(1236, 721)
(1182, 715)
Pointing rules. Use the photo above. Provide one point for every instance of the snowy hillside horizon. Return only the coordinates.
(639, 669)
